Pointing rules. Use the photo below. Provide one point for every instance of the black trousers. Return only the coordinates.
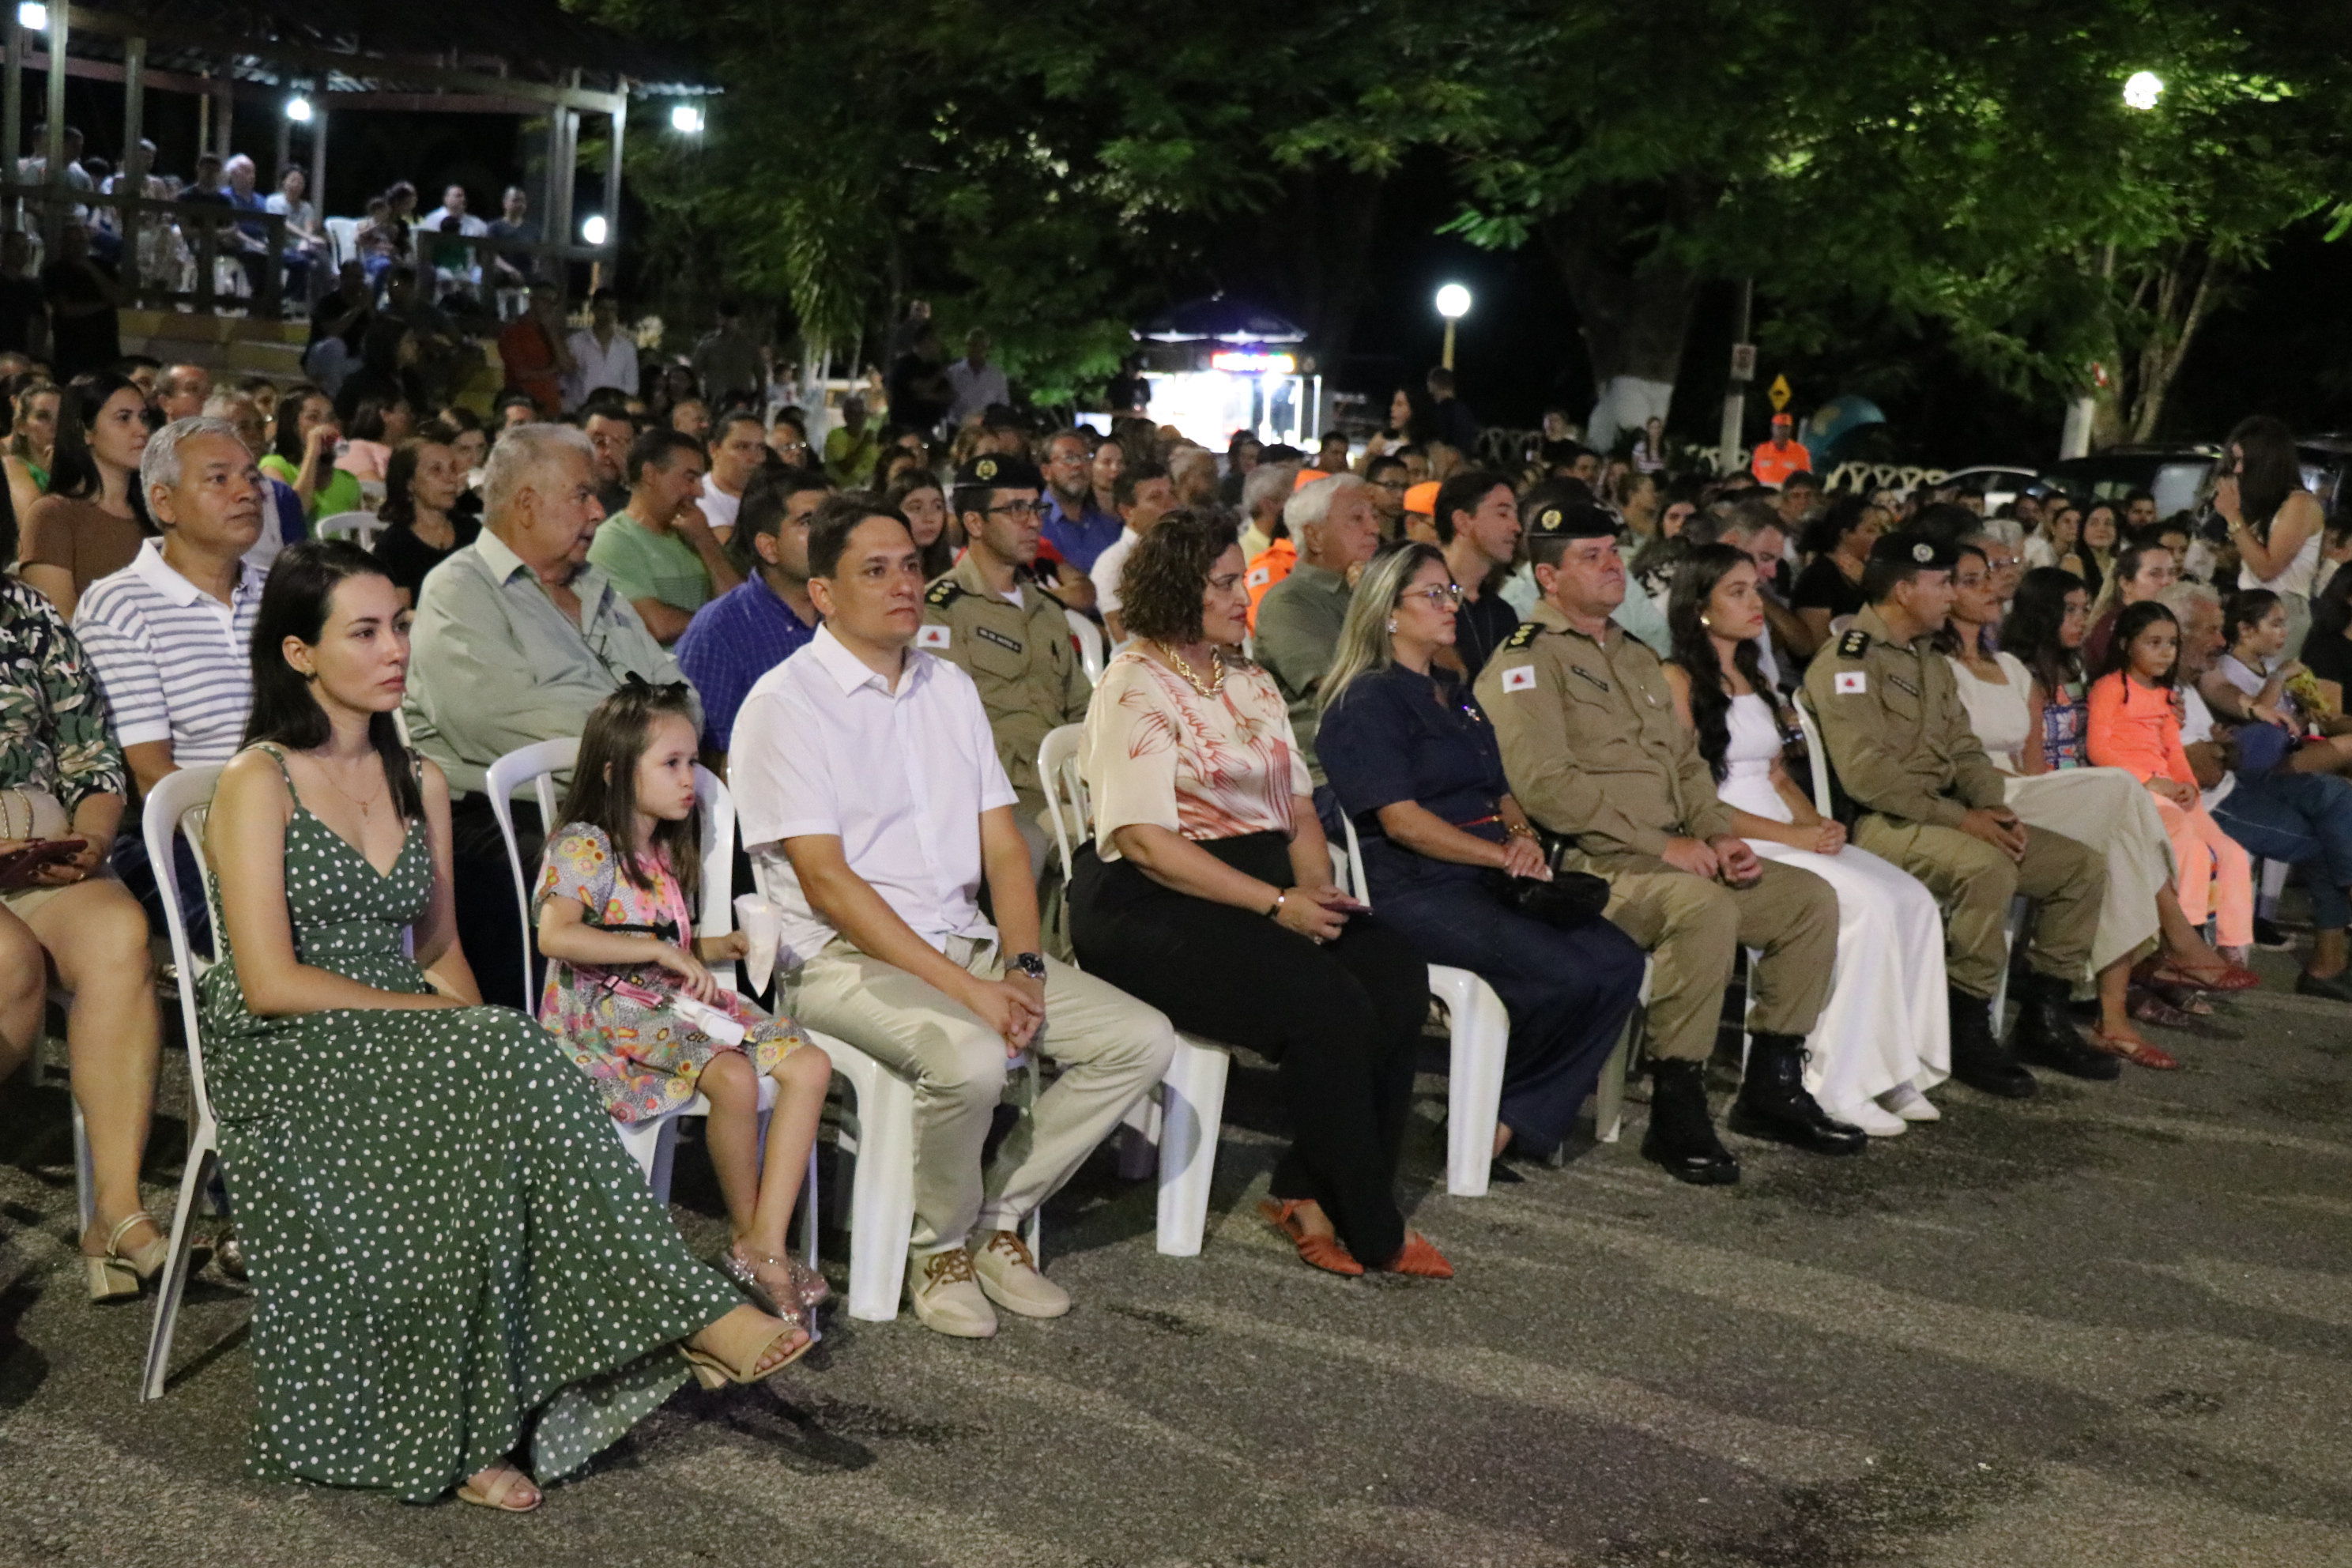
(1341, 1021)
(489, 921)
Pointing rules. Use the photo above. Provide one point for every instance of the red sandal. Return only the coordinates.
(2139, 1053)
(2232, 976)
(1324, 1252)
(1419, 1258)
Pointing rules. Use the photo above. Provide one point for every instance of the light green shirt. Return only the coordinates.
(496, 666)
(643, 565)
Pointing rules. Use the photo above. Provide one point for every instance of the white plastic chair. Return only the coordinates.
(359, 527)
(342, 239)
(177, 805)
(1481, 1030)
(1090, 645)
(1183, 1116)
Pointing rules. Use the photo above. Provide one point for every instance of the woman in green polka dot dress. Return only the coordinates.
(451, 1254)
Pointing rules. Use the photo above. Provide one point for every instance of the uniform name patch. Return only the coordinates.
(1902, 684)
(1589, 676)
(1852, 681)
(999, 638)
(931, 637)
(1519, 678)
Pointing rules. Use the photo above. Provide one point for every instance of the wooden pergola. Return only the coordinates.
(526, 58)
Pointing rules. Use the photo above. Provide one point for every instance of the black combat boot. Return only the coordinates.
(1681, 1137)
(2046, 1037)
(1978, 1059)
(1773, 1103)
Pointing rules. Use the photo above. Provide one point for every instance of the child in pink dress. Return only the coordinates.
(614, 914)
(2135, 726)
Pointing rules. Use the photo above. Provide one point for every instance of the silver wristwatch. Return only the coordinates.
(1030, 964)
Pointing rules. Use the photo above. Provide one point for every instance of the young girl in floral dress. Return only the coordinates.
(617, 887)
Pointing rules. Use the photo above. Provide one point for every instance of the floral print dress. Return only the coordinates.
(54, 734)
(643, 1058)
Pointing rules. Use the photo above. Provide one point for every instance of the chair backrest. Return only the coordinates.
(359, 527)
(1090, 645)
(343, 238)
(1351, 875)
(718, 917)
(1065, 789)
(1817, 752)
(536, 764)
(178, 805)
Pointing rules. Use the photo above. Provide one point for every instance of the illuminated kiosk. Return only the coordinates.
(1217, 365)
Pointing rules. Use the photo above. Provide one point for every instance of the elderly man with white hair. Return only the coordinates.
(1336, 528)
(515, 638)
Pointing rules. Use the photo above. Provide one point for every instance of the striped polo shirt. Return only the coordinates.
(175, 663)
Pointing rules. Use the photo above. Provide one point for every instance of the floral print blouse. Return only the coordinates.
(54, 732)
(1159, 752)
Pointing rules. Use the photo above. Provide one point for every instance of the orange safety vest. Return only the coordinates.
(1271, 566)
(1773, 464)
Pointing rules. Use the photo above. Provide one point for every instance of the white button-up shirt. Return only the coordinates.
(599, 367)
(823, 746)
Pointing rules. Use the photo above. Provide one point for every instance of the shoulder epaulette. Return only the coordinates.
(942, 594)
(1524, 636)
(1853, 645)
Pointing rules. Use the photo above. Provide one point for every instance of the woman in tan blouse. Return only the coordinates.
(1207, 892)
(90, 523)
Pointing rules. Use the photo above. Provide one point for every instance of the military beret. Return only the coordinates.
(994, 469)
(1907, 547)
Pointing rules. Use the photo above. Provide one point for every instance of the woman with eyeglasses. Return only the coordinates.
(1416, 767)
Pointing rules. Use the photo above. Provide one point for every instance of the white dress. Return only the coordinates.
(1887, 1021)
(2106, 810)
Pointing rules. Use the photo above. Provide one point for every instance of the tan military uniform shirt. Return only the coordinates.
(1021, 657)
(1591, 744)
(1896, 731)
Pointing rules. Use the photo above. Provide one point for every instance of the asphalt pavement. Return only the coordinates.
(2106, 1326)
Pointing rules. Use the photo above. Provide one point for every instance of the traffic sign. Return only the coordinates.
(1780, 393)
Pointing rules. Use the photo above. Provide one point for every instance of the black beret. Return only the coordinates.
(1551, 511)
(1004, 473)
(1910, 547)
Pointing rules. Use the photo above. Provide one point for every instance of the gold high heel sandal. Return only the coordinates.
(117, 1275)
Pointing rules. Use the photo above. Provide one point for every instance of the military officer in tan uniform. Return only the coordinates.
(1594, 754)
(1899, 741)
(988, 616)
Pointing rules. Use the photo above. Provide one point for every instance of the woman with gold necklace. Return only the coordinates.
(1207, 892)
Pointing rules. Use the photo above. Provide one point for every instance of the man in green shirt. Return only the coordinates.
(661, 554)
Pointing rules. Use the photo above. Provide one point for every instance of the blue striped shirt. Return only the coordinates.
(174, 662)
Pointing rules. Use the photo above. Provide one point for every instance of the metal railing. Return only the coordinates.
(209, 232)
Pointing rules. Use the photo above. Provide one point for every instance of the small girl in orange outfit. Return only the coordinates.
(2135, 726)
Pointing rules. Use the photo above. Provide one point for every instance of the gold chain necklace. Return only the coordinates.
(1215, 684)
(366, 806)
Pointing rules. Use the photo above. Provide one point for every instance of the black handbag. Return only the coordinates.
(1569, 899)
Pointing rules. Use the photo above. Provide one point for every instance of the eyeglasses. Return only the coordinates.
(1448, 595)
(1400, 486)
(1018, 508)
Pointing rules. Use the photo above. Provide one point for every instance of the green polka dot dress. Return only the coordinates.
(449, 1248)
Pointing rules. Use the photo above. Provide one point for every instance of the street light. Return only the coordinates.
(298, 109)
(1453, 303)
(685, 120)
(592, 230)
(2142, 90)
(33, 16)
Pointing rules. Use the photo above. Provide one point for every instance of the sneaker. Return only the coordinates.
(1906, 1102)
(1871, 1118)
(945, 1297)
(2268, 935)
(1008, 1276)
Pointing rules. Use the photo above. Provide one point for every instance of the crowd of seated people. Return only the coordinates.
(1569, 756)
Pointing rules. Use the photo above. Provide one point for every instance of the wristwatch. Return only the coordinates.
(1030, 964)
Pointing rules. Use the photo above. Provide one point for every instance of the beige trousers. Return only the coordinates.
(1693, 927)
(1111, 1048)
(1975, 882)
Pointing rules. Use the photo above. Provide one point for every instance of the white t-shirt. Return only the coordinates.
(1107, 566)
(2197, 726)
(821, 745)
(719, 507)
(975, 390)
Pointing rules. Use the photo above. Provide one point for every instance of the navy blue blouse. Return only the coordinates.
(1396, 736)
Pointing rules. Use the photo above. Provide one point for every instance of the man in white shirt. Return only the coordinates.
(1143, 495)
(604, 354)
(737, 449)
(977, 385)
(872, 800)
(452, 205)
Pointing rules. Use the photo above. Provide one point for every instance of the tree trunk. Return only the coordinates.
(1635, 311)
(2180, 310)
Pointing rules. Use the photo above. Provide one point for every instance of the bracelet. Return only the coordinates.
(1521, 830)
(1275, 912)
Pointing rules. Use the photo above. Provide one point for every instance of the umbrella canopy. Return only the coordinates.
(1218, 319)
